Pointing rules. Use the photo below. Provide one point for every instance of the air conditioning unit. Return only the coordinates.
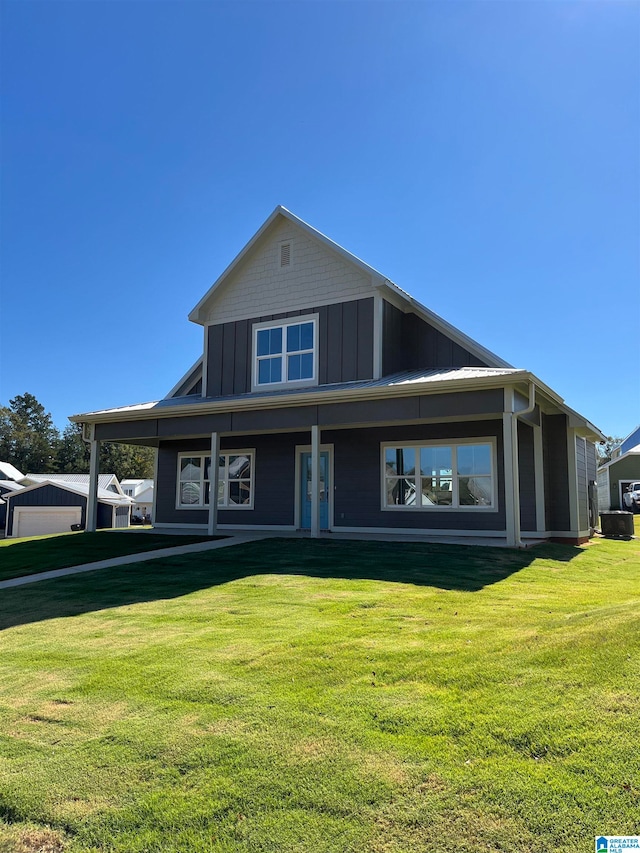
(616, 523)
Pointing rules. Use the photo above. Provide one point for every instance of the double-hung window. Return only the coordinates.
(439, 474)
(286, 353)
(235, 480)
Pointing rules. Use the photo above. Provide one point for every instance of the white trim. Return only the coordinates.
(445, 442)
(184, 378)
(423, 531)
(203, 454)
(91, 524)
(154, 498)
(214, 482)
(284, 324)
(177, 524)
(299, 450)
(283, 527)
(41, 510)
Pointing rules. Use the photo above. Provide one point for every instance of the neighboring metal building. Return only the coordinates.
(615, 476)
(52, 506)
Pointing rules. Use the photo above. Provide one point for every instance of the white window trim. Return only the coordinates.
(444, 442)
(226, 453)
(284, 324)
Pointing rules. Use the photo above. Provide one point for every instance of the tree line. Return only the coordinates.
(31, 442)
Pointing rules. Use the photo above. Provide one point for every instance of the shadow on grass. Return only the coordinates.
(447, 567)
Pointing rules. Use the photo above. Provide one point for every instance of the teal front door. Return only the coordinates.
(305, 490)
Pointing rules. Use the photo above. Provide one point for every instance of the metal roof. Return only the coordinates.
(104, 480)
(399, 380)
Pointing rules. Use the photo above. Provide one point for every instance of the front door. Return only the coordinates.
(305, 490)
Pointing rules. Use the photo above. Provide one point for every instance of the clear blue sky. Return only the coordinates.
(485, 156)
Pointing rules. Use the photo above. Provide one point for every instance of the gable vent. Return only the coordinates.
(285, 254)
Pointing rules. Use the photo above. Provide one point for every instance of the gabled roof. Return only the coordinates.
(280, 211)
(9, 472)
(104, 496)
(11, 485)
(104, 480)
(633, 451)
(378, 281)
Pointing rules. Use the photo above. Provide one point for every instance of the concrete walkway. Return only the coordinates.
(135, 558)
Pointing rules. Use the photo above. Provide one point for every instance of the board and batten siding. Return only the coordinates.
(410, 343)
(583, 483)
(345, 346)
(527, 477)
(556, 472)
(357, 485)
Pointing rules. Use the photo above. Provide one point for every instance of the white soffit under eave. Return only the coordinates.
(377, 277)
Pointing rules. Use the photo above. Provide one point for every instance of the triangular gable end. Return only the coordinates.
(287, 265)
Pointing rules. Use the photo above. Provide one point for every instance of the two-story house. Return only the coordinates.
(332, 400)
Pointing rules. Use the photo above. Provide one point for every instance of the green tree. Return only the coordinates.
(28, 438)
(73, 453)
(126, 461)
(605, 450)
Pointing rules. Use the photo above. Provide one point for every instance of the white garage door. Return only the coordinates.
(36, 521)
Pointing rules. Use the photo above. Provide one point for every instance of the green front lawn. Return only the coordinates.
(42, 553)
(325, 697)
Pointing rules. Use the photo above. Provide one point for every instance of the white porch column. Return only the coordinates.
(315, 481)
(214, 478)
(511, 489)
(92, 501)
(156, 453)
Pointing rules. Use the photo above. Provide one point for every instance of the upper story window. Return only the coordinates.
(286, 353)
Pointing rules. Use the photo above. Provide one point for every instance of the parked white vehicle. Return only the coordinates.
(631, 497)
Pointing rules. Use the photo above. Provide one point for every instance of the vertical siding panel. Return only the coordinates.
(334, 343)
(443, 349)
(228, 358)
(365, 339)
(323, 344)
(349, 341)
(214, 367)
(240, 360)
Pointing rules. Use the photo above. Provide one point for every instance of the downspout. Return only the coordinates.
(516, 470)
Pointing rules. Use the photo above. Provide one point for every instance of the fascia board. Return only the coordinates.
(197, 363)
(377, 277)
(443, 326)
(116, 500)
(311, 398)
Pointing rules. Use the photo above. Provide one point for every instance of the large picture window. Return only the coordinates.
(235, 480)
(429, 476)
(286, 353)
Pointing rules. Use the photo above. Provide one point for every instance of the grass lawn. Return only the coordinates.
(42, 553)
(324, 697)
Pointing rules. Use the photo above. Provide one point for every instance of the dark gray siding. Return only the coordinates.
(426, 406)
(357, 485)
(345, 347)
(192, 384)
(556, 472)
(274, 479)
(583, 483)
(53, 496)
(46, 496)
(592, 461)
(410, 343)
(527, 478)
